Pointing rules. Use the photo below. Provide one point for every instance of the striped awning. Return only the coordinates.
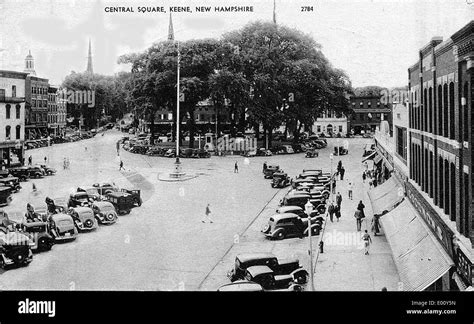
(377, 159)
(370, 156)
(419, 257)
(386, 196)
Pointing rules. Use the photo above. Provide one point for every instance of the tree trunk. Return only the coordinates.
(152, 127)
(269, 135)
(192, 126)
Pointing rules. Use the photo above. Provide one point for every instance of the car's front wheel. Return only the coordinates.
(44, 244)
(89, 223)
(280, 235)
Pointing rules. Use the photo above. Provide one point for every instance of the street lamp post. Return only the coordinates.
(178, 121)
(309, 208)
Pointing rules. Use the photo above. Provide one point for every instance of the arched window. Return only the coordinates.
(466, 113)
(452, 121)
(18, 131)
(430, 175)
(8, 132)
(445, 111)
(441, 182)
(447, 192)
(440, 110)
(452, 192)
(18, 111)
(430, 111)
(426, 115)
(8, 111)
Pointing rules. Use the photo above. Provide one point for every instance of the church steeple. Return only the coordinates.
(274, 12)
(171, 30)
(30, 64)
(89, 70)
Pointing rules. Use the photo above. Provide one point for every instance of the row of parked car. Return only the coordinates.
(71, 137)
(140, 146)
(264, 271)
(10, 179)
(60, 220)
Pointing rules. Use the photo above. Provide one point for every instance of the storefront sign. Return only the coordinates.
(431, 217)
(464, 267)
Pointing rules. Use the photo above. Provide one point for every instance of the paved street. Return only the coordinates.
(164, 246)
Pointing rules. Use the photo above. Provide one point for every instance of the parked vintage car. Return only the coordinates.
(21, 173)
(311, 153)
(122, 201)
(5, 196)
(12, 182)
(135, 196)
(15, 247)
(170, 153)
(35, 172)
(4, 173)
(80, 198)
(295, 210)
(91, 192)
(285, 225)
(340, 150)
(39, 235)
(300, 199)
(280, 180)
(105, 188)
(241, 285)
(245, 260)
(47, 169)
(104, 212)
(267, 278)
(61, 225)
(84, 218)
(270, 170)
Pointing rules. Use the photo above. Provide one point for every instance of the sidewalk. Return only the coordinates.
(343, 265)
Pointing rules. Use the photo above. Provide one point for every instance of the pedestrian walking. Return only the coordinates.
(337, 212)
(236, 167)
(264, 166)
(33, 187)
(367, 241)
(350, 188)
(331, 210)
(361, 207)
(68, 163)
(121, 166)
(342, 173)
(364, 176)
(207, 215)
(358, 217)
(339, 166)
(376, 224)
(338, 199)
(45, 159)
(64, 164)
(30, 160)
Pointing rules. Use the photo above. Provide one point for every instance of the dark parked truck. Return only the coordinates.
(281, 226)
(12, 182)
(269, 280)
(122, 201)
(21, 173)
(15, 247)
(5, 196)
(270, 170)
(39, 235)
(280, 180)
(246, 260)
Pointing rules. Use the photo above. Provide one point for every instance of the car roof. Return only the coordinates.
(241, 285)
(4, 188)
(82, 209)
(61, 216)
(8, 179)
(294, 194)
(286, 209)
(118, 194)
(258, 270)
(279, 217)
(280, 174)
(273, 166)
(245, 257)
(102, 204)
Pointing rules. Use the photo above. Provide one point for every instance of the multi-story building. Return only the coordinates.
(12, 118)
(52, 111)
(61, 105)
(330, 123)
(36, 95)
(367, 112)
(441, 139)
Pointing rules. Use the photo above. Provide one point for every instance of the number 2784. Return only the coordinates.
(307, 8)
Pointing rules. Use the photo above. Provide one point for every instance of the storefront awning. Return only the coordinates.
(370, 156)
(386, 196)
(419, 257)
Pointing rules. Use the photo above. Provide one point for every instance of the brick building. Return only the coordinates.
(52, 111)
(441, 139)
(12, 118)
(367, 112)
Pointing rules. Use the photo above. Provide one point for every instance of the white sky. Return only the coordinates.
(374, 41)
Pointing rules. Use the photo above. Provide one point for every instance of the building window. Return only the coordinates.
(8, 111)
(318, 128)
(7, 132)
(13, 91)
(18, 131)
(340, 128)
(18, 111)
